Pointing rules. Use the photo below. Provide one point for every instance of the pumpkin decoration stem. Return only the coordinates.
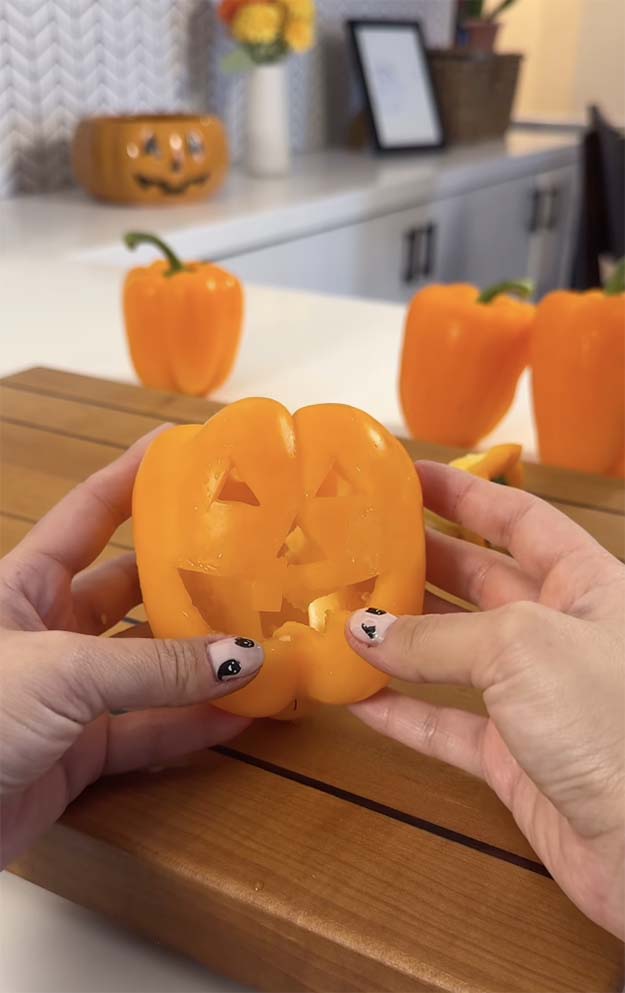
(134, 238)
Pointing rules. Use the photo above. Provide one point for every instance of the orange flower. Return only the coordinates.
(229, 8)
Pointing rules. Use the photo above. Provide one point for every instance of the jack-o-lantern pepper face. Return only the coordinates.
(151, 159)
(275, 527)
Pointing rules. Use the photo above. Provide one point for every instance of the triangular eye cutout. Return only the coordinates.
(335, 484)
(234, 490)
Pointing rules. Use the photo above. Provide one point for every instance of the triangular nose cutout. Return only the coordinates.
(234, 490)
(335, 484)
(300, 549)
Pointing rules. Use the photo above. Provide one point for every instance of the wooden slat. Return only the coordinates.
(112, 395)
(553, 484)
(286, 888)
(40, 467)
(71, 417)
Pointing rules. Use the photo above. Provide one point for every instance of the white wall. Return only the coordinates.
(575, 55)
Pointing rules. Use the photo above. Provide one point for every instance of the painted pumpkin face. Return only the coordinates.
(275, 527)
(156, 159)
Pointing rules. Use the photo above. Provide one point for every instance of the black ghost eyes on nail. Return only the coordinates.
(244, 642)
(375, 610)
(228, 669)
(370, 630)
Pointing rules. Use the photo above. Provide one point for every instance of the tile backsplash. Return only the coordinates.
(63, 59)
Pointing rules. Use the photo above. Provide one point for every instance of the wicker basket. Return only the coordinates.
(475, 93)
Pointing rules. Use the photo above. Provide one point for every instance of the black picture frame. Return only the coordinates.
(376, 124)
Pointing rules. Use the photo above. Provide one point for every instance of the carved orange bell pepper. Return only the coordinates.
(578, 378)
(183, 321)
(274, 527)
(462, 357)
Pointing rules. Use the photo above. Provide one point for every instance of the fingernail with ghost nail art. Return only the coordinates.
(235, 658)
(369, 626)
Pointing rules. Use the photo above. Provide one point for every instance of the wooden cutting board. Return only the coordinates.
(316, 856)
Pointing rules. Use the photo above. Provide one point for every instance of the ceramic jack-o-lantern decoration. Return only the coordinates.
(275, 527)
(152, 159)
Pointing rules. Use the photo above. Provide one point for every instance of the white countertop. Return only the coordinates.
(61, 270)
(327, 188)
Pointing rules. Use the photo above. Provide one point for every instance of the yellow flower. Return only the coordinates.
(300, 9)
(257, 24)
(299, 34)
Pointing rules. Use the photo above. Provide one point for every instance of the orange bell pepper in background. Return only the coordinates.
(183, 321)
(578, 378)
(274, 527)
(462, 357)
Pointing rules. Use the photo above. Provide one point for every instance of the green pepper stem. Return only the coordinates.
(523, 288)
(616, 282)
(134, 238)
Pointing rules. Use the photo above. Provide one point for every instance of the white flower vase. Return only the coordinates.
(268, 151)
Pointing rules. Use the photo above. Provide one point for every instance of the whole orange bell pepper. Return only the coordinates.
(274, 527)
(462, 357)
(578, 378)
(183, 321)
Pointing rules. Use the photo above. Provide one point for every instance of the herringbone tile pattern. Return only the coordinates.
(63, 59)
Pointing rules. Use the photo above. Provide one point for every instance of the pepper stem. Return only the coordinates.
(616, 282)
(134, 238)
(523, 288)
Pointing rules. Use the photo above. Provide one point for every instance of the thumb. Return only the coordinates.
(459, 648)
(108, 674)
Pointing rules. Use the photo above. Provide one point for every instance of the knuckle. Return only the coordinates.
(409, 637)
(516, 633)
(177, 663)
(430, 729)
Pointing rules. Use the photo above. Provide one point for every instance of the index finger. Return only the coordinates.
(536, 534)
(74, 532)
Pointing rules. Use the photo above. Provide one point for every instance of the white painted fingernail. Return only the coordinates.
(370, 625)
(235, 658)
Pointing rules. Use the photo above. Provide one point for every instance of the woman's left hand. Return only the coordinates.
(59, 682)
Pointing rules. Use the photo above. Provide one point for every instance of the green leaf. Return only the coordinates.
(267, 54)
(238, 60)
(499, 9)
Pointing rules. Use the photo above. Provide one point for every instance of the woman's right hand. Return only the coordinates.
(547, 651)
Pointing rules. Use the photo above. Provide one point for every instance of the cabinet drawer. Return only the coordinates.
(384, 258)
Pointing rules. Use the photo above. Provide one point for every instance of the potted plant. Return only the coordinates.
(477, 27)
(266, 33)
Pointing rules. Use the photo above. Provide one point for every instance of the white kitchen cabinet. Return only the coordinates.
(383, 258)
(557, 214)
(494, 238)
(507, 230)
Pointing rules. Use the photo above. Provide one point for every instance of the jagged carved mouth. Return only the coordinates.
(220, 599)
(169, 189)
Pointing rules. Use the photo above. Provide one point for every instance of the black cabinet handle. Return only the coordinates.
(410, 244)
(413, 240)
(553, 212)
(535, 211)
(430, 250)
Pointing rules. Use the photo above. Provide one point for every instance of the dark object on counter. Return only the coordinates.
(400, 98)
(475, 92)
(602, 219)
